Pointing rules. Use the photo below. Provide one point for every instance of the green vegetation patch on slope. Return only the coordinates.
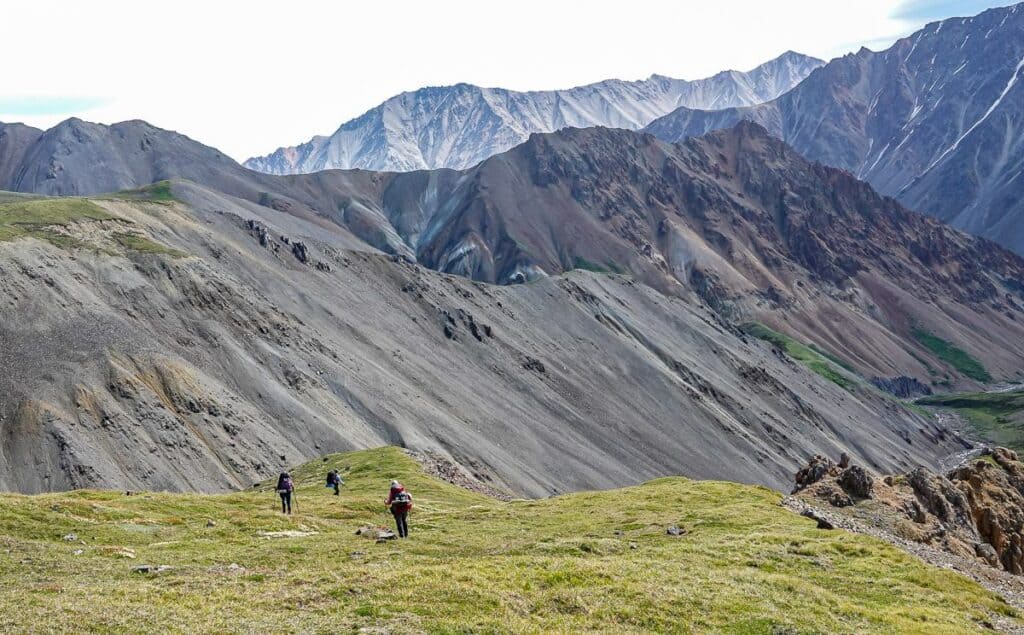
(158, 192)
(40, 218)
(956, 357)
(37, 217)
(143, 244)
(588, 562)
(997, 417)
(807, 355)
(583, 263)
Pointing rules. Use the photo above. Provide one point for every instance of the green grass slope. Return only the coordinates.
(997, 417)
(956, 357)
(811, 356)
(588, 562)
(42, 218)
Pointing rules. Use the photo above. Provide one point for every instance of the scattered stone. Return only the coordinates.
(838, 498)
(149, 568)
(77, 552)
(844, 461)
(633, 545)
(823, 523)
(674, 530)
(211, 523)
(71, 538)
(380, 534)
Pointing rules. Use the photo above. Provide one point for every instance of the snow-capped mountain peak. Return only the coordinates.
(459, 126)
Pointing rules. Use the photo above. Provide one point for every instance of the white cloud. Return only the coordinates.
(247, 77)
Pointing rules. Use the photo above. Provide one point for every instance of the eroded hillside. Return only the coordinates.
(154, 344)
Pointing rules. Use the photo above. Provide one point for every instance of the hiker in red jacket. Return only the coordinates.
(400, 502)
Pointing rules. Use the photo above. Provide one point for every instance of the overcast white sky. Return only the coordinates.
(248, 77)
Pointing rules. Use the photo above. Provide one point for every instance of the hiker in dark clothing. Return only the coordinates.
(334, 481)
(285, 487)
(400, 502)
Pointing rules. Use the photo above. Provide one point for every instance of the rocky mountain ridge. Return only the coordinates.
(934, 120)
(736, 220)
(459, 126)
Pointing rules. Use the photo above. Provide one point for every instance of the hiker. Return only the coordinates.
(285, 487)
(400, 502)
(334, 481)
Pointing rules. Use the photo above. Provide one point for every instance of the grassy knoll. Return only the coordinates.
(43, 218)
(588, 562)
(997, 417)
(825, 365)
(956, 357)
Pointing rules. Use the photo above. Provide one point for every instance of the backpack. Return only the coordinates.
(401, 498)
(284, 485)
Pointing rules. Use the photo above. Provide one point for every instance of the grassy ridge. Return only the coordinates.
(810, 356)
(956, 357)
(589, 562)
(996, 417)
(39, 218)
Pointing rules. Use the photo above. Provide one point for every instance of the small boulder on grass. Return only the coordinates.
(675, 530)
(380, 534)
(149, 568)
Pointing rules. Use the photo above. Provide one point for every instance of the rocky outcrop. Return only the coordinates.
(856, 482)
(902, 386)
(975, 511)
(818, 468)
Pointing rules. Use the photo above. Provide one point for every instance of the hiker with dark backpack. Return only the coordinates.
(285, 487)
(400, 502)
(334, 481)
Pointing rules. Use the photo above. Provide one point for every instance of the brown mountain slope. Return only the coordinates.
(935, 120)
(742, 220)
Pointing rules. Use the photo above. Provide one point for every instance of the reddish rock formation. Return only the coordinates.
(976, 510)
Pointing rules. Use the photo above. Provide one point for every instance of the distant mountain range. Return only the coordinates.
(936, 120)
(459, 126)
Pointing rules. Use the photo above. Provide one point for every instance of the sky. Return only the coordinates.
(248, 77)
